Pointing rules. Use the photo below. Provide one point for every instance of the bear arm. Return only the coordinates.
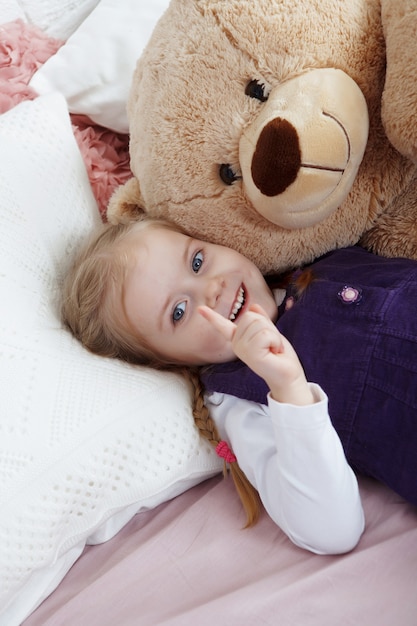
(399, 100)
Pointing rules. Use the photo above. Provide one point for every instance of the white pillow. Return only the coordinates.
(57, 18)
(10, 10)
(94, 68)
(85, 442)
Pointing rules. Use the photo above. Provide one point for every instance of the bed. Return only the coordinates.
(112, 509)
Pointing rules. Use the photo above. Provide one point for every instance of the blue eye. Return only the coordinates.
(197, 262)
(178, 312)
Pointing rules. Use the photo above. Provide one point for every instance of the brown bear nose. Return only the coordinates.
(277, 157)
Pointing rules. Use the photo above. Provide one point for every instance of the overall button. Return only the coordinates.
(350, 295)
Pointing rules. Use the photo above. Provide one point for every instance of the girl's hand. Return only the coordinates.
(257, 342)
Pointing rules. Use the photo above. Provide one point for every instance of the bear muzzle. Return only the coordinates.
(300, 156)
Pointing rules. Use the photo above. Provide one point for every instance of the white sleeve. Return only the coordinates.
(294, 458)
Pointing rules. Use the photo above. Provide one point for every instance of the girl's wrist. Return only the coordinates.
(298, 394)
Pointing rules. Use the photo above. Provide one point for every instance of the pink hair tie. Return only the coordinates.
(224, 452)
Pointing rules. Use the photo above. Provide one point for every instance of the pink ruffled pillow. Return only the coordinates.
(24, 48)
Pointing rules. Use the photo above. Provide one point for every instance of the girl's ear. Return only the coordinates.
(126, 203)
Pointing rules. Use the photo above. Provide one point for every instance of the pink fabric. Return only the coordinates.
(190, 562)
(106, 156)
(23, 49)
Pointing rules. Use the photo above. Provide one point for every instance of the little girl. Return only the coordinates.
(149, 294)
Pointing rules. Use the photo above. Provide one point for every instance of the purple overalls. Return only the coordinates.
(355, 331)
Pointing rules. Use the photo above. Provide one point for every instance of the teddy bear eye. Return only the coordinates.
(227, 174)
(256, 89)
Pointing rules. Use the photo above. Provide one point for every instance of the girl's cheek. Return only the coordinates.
(213, 342)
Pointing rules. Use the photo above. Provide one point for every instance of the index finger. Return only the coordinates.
(220, 323)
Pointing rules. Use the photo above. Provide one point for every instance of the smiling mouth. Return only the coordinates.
(238, 304)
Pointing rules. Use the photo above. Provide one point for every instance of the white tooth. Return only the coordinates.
(238, 304)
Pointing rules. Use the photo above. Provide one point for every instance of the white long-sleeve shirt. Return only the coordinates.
(293, 456)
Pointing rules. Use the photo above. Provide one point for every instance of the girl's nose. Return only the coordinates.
(213, 290)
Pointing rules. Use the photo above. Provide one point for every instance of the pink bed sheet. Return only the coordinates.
(188, 562)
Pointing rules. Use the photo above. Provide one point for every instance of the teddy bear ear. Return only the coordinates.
(126, 203)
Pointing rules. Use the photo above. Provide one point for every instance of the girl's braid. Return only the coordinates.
(207, 428)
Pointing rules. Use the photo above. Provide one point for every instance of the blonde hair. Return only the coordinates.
(92, 293)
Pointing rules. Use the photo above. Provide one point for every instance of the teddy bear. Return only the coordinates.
(281, 128)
